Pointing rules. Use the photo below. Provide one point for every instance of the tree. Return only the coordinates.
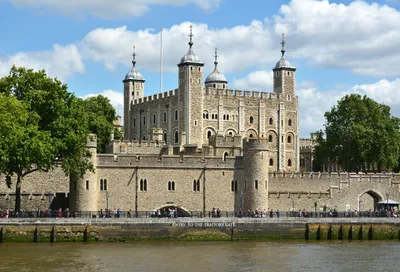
(24, 148)
(46, 124)
(101, 116)
(361, 134)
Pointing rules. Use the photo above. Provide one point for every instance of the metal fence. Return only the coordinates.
(194, 214)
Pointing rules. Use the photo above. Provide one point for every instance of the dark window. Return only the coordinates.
(216, 116)
(289, 162)
(101, 185)
(289, 139)
(165, 137)
(251, 136)
(207, 115)
(154, 119)
(134, 122)
(270, 139)
(245, 185)
(209, 135)
(144, 120)
(271, 122)
(196, 185)
(256, 185)
(227, 117)
(223, 86)
(236, 186)
(233, 186)
(224, 116)
(105, 185)
(176, 137)
(143, 185)
(214, 85)
(225, 155)
(271, 162)
(176, 115)
(290, 122)
(251, 120)
(212, 116)
(165, 116)
(173, 186)
(87, 185)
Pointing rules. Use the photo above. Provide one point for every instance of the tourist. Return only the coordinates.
(271, 213)
(277, 213)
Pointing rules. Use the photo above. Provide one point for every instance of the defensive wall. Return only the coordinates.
(205, 229)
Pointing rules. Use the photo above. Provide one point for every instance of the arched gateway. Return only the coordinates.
(368, 200)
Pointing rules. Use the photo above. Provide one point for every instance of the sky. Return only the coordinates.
(338, 46)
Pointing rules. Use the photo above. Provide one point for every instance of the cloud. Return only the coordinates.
(360, 37)
(116, 99)
(60, 62)
(110, 9)
(258, 80)
(240, 47)
(313, 103)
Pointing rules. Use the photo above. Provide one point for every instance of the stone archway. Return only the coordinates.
(368, 200)
(182, 212)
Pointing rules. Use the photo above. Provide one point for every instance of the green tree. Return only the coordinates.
(24, 148)
(52, 127)
(361, 134)
(101, 115)
(320, 153)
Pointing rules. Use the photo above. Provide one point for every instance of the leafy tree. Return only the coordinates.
(47, 124)
(320, 152)
(101, 116)
(361, 134)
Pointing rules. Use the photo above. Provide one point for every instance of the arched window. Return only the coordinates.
(227, 117)
(105, 185)
(165, 117)
(233, 186)
(144, 120)
(176, 137)
(256, 184)
(289, 122)
(223, 86)
(225, 155)
(144, 137)
(230, 133)
(271, 121)
(143, 185)
(270, 139)
(209, 135)
(101, 185)
(224, 117)
(176, 115)
(214, 85)
(289, 139)
(154, 118)
(196, 185)
(251, 135)
(165, 137)
(271, 162)
(251, 120)
(289, 162)
(216, 116)
(289, 97)
(212, 116)
(134, 122)
(171, 185)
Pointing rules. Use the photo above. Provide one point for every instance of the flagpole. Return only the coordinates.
(161, 62)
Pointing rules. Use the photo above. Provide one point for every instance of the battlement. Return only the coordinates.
(226, 141)
(135, 147)
(380, 177)
(239, 93)
(155, 97)
(255, 144)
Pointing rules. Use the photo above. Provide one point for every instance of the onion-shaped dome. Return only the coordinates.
(190, 56)
(283, 62)
(133, 74)
(216, 76)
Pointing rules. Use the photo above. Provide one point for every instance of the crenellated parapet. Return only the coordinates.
(155, 97)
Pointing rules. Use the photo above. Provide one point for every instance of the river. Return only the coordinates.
(201, 256)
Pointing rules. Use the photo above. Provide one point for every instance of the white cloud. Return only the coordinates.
(116, 99)
(110, 9)
(61, 62)
(257, 81)
(361, 37)
(239, 47)
(313, 103)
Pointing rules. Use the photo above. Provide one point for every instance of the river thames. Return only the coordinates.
(201, 256)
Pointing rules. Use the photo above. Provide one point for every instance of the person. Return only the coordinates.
(130, 213)
(277, 213)
(7, 213)
(271, 213)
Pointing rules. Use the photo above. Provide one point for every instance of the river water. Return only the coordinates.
(201, 256)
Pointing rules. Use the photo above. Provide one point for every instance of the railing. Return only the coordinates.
(195, 214)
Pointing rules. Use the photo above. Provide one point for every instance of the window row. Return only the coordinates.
(234, 185)
(271, 162)
(271, 139)
(176, 117)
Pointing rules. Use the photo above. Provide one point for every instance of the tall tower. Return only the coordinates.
(133, 89)
(190, 97)
(216, 79)
(284, 87)
(255, 174)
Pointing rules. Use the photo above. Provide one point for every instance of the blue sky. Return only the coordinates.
(338, 47)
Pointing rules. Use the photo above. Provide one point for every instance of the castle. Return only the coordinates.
(204, 146)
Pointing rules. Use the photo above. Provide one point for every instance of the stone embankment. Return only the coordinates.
(201, 229)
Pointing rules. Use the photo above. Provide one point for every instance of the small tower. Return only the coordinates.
(190, 97)
(84, 191)
(255, 174)
(133, 89)
(284, 75)
(216, 79)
